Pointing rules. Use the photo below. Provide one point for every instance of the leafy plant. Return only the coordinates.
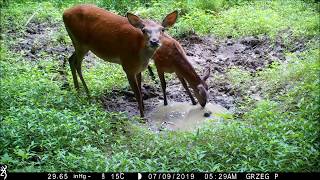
(47, 128)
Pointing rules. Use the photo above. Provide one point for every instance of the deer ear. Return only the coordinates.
(206, 74)
(202, 90)
(170, 19)
(135, 21)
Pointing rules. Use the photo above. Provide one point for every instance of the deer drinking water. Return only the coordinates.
(129, 41)
(169, 58)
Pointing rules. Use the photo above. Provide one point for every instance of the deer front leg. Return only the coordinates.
(163, 86)
(137, 93)
(183, 82)
(139, 79)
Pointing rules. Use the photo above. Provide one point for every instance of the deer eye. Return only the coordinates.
(162, 29)
(143, 31)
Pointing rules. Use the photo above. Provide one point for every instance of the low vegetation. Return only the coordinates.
(47, 128)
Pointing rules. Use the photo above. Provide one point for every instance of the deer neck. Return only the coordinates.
(144, 56)
(189, 74)
(193, 79)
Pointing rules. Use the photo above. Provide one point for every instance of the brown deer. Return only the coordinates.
(171, 58)
(129, 41)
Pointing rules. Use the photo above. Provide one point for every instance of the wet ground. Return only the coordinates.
(252, 54)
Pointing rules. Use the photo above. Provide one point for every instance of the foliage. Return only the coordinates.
(258, 18)
(46, 128)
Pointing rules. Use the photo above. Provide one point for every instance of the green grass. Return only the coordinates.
(46, 128)
(256, 18)
(239, 18)
(221, 18)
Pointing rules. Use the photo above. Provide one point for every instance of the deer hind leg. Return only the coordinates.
(80, 53)
(132, 78)
(183, 82)
(163, 86)
(75, 62)
(72, 62)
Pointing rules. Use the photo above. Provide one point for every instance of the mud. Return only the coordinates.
(123, 100)
(44, 40)
(252, 54)
(37, 41)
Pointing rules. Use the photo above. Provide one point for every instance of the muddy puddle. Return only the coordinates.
(183, 116)
(252, 54)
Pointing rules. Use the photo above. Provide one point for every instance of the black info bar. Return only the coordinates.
(158, 175)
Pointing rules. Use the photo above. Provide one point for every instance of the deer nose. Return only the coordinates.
(154, 42)
(203, 104)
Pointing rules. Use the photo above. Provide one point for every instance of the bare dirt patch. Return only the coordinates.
(44, 41)
(39, 40)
